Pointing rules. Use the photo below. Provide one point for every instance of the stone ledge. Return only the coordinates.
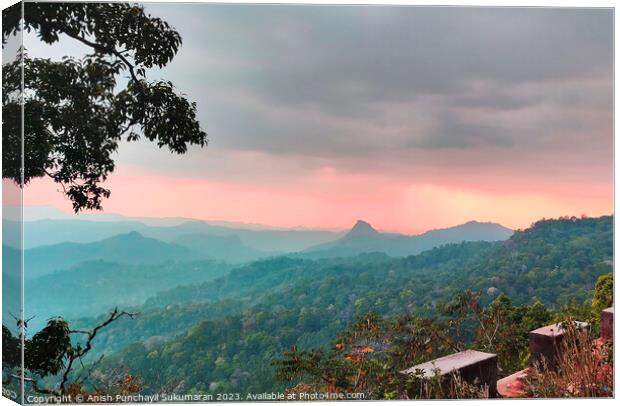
(450, 363)
(470, 364)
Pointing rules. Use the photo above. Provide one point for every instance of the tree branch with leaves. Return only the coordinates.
(50, 352)
(78, 110)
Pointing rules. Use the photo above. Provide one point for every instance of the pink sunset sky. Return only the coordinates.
(500, 115)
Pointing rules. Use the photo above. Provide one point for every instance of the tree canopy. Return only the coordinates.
(603, 293)
(49, 353)
(78, 110)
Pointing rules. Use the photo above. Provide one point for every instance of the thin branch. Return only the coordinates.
(130, 125)
(98, 47)
(108, 50)
(80, 352)
(79, 332)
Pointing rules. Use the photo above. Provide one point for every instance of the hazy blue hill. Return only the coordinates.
(11, 233)
(55, 231)
(470, 231)
(11, 285)
(364, 238)
(279, 240)
(95, 287)
(228, 248)
(50, 232)
(130, 248)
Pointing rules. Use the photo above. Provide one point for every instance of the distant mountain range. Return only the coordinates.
(363, 238)
(53, 231)
(130, 248)
(134, 248)
(59, 244)
(77, 279)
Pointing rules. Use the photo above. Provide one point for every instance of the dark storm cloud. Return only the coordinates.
(453, 132)
(355, 55)
(360, 83)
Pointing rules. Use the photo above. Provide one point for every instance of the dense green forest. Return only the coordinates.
(226, 334)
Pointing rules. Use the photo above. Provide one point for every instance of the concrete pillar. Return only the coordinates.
(607, 324)
(545, 343)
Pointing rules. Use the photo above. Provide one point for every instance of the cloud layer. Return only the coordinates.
(501, 101)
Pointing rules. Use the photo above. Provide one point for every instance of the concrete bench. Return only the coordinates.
(607, 324)
(545, 343)
(472, 366)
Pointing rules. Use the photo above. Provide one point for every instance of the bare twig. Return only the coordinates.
(80, 352)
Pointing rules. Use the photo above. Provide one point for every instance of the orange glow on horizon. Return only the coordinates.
(330, 200)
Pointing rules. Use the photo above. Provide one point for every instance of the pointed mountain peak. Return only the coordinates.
(362, 228)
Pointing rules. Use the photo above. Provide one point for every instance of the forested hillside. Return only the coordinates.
(229, 331)
(130, 248)
(95, 287)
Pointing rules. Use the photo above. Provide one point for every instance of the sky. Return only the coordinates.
(411, 118)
